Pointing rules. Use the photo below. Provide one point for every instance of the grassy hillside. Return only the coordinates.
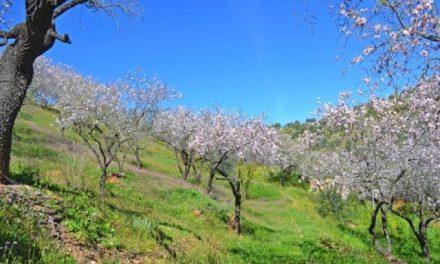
(151, 216)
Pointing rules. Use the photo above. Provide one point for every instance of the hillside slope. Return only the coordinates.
(152, 216)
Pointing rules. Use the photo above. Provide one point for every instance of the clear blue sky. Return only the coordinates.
(249, 55)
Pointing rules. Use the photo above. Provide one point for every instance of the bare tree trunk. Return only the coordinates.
(120, 164)
(138, 157)
(235, 187)
(237, 209)
(210, 182)
(62, 132)
(372, 231)
(15, 77)
(16, 71)
(188, 163)
(102, 180)
(421, 232)
(197, 174)
(176, 152)
(284, 174)
(388, 241)
(422, 237)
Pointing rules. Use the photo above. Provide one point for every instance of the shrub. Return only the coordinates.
(330, 203)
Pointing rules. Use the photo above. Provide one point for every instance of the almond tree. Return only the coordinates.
(145, 98)
(107, 117)
(224, 140)
(367, 154)
(420, 190)
(177, 129)
(388, 155)
(95, 112)
(402, 41)
(25, 42)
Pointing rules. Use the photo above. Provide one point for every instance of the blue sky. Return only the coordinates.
(249, 55)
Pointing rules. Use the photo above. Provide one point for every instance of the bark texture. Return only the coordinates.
(387, 250)
(31, 39)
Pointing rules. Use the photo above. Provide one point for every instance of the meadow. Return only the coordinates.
(152, 216)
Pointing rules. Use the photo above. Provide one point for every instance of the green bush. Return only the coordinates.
(286, 178)
(330, 203)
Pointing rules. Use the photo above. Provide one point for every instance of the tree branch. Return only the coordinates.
(62, 9)
(7, 35)
(64, 38)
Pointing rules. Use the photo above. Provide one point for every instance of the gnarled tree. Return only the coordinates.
(224, 140)
(25, 42)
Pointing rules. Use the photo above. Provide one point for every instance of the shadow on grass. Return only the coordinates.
(181, 228)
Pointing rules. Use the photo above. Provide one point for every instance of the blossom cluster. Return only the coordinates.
(382, 148)
(218, 135)
(401, 38)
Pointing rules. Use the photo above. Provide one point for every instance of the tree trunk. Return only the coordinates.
(282, 179)
(16, 71)
(120, 162)
(210, 182)
(422, 237)
(176, 152)
(188, 162)
(102, 180)
(15, 77)
(237, 211)
(373, 233)
(384, 218)
(197, 174)
(138, 158)
(421, 233)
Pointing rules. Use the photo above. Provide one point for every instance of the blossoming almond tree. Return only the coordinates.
(144, 99)
(225, 139)
(26, 41)
(368, 155)
(107, 117)
(420, 189)
(400, 38)
(177, 128)
(388, 156)
(95, 112)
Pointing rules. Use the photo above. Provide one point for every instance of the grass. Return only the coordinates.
(153, 213)
(24, 240)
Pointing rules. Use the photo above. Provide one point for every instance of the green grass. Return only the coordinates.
(154, 215)
(24, 240)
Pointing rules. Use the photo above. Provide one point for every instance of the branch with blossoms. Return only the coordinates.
(401, 38)
(227, 140)
(112, 119)
(177, 128)
(386, 151)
